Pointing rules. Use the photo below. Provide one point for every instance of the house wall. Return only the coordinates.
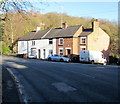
(67, 44)
(40, 45)
(76, 41)
(22, 47)
(99, 41)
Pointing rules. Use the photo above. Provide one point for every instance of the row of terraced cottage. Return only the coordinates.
(64, 41)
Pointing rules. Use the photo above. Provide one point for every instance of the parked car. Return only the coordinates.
(32, 57)
(118, 61)
(58, 58)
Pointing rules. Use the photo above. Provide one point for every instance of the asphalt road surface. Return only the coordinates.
(44, 81)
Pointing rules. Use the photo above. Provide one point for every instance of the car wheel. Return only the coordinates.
(104, 63)
(61, 60)
(92, 62)
(49, 59)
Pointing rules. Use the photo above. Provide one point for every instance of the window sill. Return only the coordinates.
(82, 43)
(60, 44)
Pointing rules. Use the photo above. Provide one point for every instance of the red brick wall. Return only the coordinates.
(67, 44)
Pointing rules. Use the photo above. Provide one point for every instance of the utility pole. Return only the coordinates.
(12, 36)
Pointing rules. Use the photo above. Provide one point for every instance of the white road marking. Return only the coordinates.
(63, 87)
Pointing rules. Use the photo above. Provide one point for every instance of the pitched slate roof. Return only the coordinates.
(67, 32)
(27, 36)
(33, 35)
(86, 32)
(51, 33)
(40, 34)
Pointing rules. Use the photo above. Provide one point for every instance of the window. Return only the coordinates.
(50, 52)
(33, 42)
(61, 41)
(83, 40)
(33, 51)
(50, 41)
(61, 52)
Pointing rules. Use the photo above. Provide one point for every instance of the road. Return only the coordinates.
(44, 81)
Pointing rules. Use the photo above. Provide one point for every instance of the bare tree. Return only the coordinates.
(19, 6)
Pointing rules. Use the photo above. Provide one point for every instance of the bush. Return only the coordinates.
(6, 49)
(113, 59)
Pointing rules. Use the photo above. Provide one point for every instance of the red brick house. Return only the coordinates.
(70, 40)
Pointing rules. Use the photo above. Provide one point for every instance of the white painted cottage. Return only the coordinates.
(38, 43)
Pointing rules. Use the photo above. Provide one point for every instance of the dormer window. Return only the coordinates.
(83, 40)
(61, 41)
(50, 41)
(33, 43)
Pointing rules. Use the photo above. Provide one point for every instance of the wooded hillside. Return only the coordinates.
(17, 24)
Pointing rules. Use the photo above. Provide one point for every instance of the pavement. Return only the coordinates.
(44, 81)
(9, 90)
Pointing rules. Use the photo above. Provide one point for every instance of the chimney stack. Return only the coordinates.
(95, 24)
(38, 28)
(64, 25)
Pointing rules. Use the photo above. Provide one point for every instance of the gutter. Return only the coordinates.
(24, 99)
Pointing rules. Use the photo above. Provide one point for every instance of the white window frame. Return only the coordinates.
(67, 48)
(60, 42)
(83, 47)
(81, 40)
(62, 50)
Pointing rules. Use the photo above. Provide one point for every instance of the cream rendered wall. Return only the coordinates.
(22, 47)
(42, 44)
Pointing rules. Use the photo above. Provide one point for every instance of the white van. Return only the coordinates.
(92, 56)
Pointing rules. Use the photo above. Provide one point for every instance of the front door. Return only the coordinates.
(39, 53)
(44, 53)
(67, 51)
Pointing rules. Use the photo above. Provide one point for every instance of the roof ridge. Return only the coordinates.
(46, 33)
